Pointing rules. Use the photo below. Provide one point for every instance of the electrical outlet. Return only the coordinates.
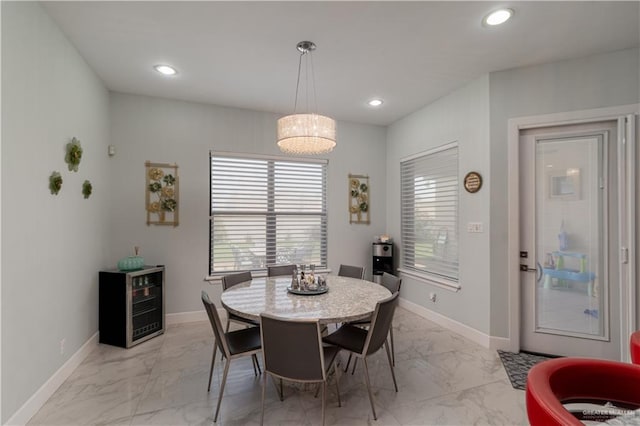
(62, 342)
(432, 297)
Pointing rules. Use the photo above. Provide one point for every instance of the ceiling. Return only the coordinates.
(242, 54)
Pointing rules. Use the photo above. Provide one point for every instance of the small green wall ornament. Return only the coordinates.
(74, 154)
(55, 183)
(86, 189)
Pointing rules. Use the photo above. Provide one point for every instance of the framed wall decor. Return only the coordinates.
(161, 193)
(359, 199)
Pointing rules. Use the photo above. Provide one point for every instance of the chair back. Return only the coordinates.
(229, 281)
(279, 270)
(214, 319)
(380, 324)
(292, 349)
(351, 271)
(634, 347)
(391, 282)
(555, 382)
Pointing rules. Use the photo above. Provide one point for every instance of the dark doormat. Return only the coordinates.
(518, 365)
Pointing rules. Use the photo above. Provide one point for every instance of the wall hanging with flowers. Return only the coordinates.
(359, 199)
(161, 193)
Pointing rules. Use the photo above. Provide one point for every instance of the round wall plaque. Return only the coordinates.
(473, 182)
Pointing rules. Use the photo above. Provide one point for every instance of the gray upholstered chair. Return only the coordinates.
(393, 284)
(280, 270)
(232, 345)
(293, 350)
(362, 343)
(229, 281)
(351, 271)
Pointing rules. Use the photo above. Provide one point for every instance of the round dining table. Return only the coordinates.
(347, 299)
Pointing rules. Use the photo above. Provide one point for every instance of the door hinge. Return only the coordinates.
(624, 255)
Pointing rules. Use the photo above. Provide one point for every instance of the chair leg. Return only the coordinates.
(281, 391)
(315, 395)
(393, 375)
(393, 348)
(264, 385)
(335, 373)
(366, 378)
(346, 367)
(213, 362)
(224, 381)
(355, 362)
(255, 359)
(324, 397)
(226, 331)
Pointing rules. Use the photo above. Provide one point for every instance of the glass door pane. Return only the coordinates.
(570, 213)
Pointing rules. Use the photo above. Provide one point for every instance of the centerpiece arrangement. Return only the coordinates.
(307, 284)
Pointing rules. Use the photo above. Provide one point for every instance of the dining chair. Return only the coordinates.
(232, 344)
(362, 343)
(351, 271)
(306, 361)
(280, 270)
(229, 281)
(608, 386)
(393, 284)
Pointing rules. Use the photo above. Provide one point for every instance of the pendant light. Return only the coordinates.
(306, 133)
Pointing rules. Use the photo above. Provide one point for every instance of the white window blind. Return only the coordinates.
(429, 185)
(266, 210)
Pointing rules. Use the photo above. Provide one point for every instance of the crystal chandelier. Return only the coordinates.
(306, 133)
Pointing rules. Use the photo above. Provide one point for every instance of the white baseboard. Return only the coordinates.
(37, 400)
(446, 322)
(501, 343)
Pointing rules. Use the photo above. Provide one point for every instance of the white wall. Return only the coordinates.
(461, 116)
(53, 246)
(609, 79)
(168, 131)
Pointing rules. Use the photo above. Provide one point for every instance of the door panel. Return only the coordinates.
(570, 292)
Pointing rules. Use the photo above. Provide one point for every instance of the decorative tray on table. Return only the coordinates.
(302, 292)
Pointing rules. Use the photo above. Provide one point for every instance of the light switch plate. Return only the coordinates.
(475, 227)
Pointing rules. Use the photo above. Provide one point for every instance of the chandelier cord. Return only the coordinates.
(313, 81)
(295, 103)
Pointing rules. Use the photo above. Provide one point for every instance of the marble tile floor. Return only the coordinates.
(443, 379)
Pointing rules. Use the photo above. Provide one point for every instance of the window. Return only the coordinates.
(429, 186)
(266, 210)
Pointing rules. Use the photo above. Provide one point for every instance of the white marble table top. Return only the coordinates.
(348, 299)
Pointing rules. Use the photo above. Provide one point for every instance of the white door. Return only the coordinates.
(569, 204)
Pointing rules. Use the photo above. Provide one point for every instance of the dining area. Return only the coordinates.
(442, 377)
(296, 326)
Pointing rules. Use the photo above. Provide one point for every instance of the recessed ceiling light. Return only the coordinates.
(375, 102)
(498, 17)
(165, 70)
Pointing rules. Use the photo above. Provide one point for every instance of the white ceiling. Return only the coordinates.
(242, 54)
